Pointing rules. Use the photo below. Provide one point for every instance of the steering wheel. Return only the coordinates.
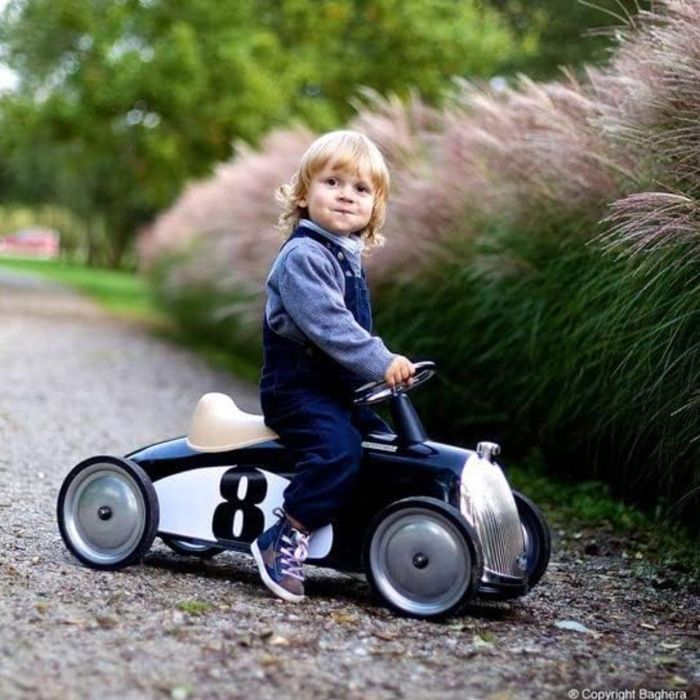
(375, 392)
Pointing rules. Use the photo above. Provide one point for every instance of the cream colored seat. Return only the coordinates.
(219, 425)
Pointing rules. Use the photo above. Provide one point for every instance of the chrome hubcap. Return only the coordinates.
(420, 561)
(104, 513)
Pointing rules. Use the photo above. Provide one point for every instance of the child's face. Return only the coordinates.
(340, 200)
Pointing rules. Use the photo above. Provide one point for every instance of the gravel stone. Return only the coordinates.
(76, 382)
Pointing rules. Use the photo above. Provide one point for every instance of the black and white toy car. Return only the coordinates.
(440, 525)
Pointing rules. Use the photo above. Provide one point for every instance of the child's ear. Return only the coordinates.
(302, 203)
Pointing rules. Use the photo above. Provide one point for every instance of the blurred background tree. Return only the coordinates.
(567, 32)
(119, 102)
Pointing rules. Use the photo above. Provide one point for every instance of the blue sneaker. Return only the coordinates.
(279, 553)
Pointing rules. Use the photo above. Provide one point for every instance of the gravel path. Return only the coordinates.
(76, 383)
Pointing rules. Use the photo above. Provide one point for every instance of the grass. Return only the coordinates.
(203, 320)
(543, 341)
(651, 542)
(195, 607)
(122, 293)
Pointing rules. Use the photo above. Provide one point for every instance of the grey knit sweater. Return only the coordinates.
(305, 290)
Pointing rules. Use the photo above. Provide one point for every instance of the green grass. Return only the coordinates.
(195, 607)
(122, 293)
(545, 342)
(588, 507)
(203, 320)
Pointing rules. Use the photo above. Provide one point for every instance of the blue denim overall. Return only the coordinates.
(306, 399)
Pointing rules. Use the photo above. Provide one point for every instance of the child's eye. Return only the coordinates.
(362, 188)
(332, 181)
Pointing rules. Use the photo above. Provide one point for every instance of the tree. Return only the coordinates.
(388, 45)
(121, 101)
(566, 32)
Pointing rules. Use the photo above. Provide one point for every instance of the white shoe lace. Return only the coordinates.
(296, 551)
(294, 555)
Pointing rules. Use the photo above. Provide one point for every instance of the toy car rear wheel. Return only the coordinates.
(538, 541)
(422, 558)
(192, 549)
(108, 512)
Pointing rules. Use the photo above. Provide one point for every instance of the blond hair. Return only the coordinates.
(348, 151)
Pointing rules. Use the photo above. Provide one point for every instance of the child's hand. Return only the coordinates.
(400, 370)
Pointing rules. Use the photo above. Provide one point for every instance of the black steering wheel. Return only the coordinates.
(375, 392)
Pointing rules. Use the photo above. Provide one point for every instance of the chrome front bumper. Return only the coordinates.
(487, 502)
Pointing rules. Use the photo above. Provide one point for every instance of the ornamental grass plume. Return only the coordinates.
(407, 133)
(537, 147)
(649, 96)
(646, 221)
(235, 206)
(210, 252)
(521, 155)
(649, 102)
(402, 128)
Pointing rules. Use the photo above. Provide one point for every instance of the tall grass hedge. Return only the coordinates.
(542, 246)
(584, 356)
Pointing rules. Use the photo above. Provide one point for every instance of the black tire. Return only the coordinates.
(191, 549)
(538, 540)
(422, 558)
(108, 512)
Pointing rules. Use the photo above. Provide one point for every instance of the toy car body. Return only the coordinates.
(431, 525)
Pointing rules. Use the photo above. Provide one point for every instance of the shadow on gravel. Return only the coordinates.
(319, 584)
(218, 569)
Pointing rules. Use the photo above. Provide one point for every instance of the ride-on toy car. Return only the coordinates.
(431, 525)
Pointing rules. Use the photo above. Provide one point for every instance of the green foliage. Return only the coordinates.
(588, 504)
(122, 293)
(120, 102)
(218, 334)
(543, 340)
(566, 32)
(388, 45)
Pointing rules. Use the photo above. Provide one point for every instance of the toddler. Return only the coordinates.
(317, 343)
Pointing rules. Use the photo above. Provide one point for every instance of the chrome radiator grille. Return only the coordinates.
(488, 504)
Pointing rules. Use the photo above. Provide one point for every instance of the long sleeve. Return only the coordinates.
(313, 297)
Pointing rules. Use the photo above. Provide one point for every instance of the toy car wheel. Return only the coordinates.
(108, 512)
(422, 557)
(192, 549)
(538, 541)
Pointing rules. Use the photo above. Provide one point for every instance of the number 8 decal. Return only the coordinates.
(241, 517)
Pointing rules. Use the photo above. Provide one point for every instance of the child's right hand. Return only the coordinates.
(400, 370)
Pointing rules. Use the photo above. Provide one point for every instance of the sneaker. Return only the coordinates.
(279, 553)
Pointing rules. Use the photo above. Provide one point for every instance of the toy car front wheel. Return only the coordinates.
(108, 512)
(422, 557)
(192, 549)
(538, 542)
